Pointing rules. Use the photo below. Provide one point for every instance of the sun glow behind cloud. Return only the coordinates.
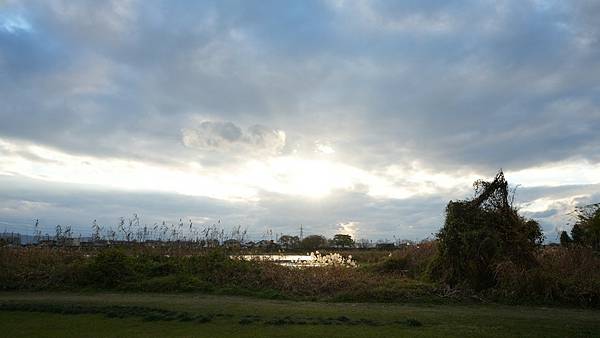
(291, 175)
(287, 175)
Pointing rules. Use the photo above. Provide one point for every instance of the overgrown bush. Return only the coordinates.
(481, 233)
(109, 269)
(563, 275)
(411, 261)
(39, 268)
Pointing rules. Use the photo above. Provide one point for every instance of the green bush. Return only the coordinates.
(394, 264)
(109, 269)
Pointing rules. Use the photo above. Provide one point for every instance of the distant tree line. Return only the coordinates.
(131, 231)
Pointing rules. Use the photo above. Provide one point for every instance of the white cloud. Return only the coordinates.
(323, 148)
(557, 174)
(348, 228)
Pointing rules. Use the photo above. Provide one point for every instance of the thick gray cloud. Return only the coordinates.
(444, 82)
(454, 86)
(227, 137)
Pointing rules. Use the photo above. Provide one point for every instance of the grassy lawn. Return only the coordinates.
(309, 319)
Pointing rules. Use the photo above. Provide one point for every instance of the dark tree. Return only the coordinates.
(586, 231)
(289, 242)
(578, 234)
(313, 242)
(565, 240)
(343, 241)
(481, 233)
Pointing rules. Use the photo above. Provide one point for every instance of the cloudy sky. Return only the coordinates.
(363, 117)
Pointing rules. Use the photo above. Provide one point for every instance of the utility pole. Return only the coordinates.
(301, 232)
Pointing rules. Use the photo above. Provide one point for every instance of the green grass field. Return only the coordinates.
(288, 319)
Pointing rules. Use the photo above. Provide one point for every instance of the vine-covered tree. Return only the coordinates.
(481, 233)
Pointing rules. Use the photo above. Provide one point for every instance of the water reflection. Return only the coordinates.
(313, 259)
(281, 259)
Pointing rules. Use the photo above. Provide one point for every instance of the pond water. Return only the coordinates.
(286, 260)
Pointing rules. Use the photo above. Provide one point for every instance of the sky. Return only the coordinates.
(357, 117)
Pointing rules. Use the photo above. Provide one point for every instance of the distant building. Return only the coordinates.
(47, 242)
(72, 242)
(268, 245)
(248, 245)
(232, 244)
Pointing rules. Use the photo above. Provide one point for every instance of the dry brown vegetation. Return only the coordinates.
(563, 275)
